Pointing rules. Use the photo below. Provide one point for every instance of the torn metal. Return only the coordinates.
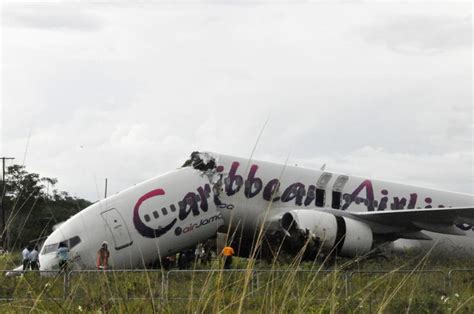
(206, 164)
(201, 161)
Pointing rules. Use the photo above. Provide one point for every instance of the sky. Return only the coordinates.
(126, 91)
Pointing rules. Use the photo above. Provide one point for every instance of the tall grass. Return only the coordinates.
(339, 286)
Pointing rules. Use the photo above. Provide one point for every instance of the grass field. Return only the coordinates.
(394, 285)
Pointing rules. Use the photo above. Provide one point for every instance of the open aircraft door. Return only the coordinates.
(118, 228)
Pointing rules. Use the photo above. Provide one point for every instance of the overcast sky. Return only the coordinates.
(126, 91)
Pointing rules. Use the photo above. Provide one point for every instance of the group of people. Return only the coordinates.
(202, 254)
(102, 260)
(30, 257)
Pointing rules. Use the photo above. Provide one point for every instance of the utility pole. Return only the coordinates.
(4, 188)
(105, 193)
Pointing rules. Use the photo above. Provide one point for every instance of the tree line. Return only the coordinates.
(32, 207)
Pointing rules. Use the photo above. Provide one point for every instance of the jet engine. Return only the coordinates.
(347, 237)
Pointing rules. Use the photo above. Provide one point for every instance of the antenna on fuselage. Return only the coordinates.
(323, 167)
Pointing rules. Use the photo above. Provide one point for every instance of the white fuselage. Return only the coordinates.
(177, 210)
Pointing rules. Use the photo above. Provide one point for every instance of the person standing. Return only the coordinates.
(63, 255)
(25, 254)
(103, 255)
(182, 260)
(34, 261)
(200, 253)
(227, 252)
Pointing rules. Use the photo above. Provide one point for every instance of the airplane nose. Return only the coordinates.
(48, 262)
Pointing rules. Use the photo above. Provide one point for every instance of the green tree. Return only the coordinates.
(33, 206)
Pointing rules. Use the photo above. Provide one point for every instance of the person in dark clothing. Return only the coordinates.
(227, 252)
(182, 260)
(25, 254)
(34, 261)
(103, 255)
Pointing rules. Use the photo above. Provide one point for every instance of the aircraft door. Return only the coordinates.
(321, 188)
(118, 228)
(337, 191)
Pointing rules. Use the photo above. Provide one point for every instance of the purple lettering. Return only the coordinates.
(232, 179)
(189, 201)
(295, 191)
(413, 198)
(310, 196)
(383, 201)
(204, 195)
(252, 182)
(428, 202)
(399, 203)
(271, 190)
(369, 191)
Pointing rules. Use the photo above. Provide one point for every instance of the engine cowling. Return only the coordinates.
(348, 237)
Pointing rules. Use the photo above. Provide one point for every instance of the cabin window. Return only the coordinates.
(155, 214)
(147, 218)
(164, 211)
(336, 200)
(173, 208)
(320, 193)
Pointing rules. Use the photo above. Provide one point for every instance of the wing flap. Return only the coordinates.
(446, 229)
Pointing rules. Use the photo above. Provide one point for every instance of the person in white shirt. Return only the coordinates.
(26, 257)
(34, 262)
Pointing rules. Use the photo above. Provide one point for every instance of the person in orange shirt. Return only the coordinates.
(227, 252)
(103, 255)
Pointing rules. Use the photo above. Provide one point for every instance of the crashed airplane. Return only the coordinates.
(250, 200)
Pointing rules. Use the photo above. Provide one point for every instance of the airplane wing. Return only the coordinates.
(405, 223)
(442, 220)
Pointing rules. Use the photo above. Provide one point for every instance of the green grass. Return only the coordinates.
(395, 285)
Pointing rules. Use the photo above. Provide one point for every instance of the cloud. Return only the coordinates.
(419, 34)
(50, 17)
(132, 100)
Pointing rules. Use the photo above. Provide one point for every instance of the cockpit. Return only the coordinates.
(70, 243)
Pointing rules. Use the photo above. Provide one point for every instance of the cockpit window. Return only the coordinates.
(74, 241)
(49, 248)
(70, 243)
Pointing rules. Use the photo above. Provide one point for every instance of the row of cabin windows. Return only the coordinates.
(156, 215)
(164, 210)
